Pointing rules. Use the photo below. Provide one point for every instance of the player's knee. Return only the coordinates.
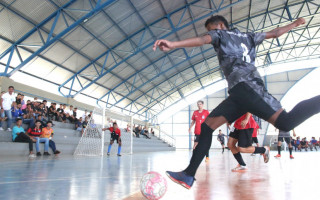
(283, 122)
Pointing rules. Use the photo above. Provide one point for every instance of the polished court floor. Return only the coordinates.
(67, 177)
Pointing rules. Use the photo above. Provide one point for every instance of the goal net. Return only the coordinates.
(95, 142)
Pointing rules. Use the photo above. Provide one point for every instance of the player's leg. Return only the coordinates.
(227, 111)
(222, 144)
(280, 140)
(110, 145)
(245, 144)
(119, 146)
(233, 140)
(288, 141)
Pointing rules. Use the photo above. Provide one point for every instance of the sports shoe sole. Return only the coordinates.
(239, 170)
(266, 155)
(179, 182)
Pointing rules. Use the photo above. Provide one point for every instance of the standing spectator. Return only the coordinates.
(18, 135)
(35, 133)
(6, 103)
(2, 115)
(47, 132)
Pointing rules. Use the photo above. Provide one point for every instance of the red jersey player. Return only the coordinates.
(198, 118)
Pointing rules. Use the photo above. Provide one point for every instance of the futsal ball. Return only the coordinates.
(153, 185)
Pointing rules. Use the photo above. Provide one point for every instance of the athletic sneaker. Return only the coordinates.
(207, 159)
(266, 154)
(239, 168)
(181, 178)
(38, 154)
(46, 154)
(1, 129)
(9, 129)
(277, 156)
(253, 154)
(57, 152)
(291, 157)
(32, 155)
(118, 154)
(108, 154)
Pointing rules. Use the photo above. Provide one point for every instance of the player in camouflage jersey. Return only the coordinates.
(236, 52)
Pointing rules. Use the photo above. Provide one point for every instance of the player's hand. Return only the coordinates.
(164, 45)
(300, 21)
(244, 123)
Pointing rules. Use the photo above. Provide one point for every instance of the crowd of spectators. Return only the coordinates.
(305, 144)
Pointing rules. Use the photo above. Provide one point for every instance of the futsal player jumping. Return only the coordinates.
(247, 93)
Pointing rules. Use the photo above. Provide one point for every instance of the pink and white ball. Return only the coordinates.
(153, 186)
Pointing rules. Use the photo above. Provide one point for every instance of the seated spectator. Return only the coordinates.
(39, 109)
(69, 113)
(18, 113)
(45, 107)
(84, 115)
(145, 133)
(138, 130)
(18, 135)
(304, 144)
(60, 113)
(47, 132)
(35, 133)
(42, 120)
(313, 143)
(152, 131)
(23, 103)
(84, 125)
(15, 111)
(79, 124)
(75, 114)
(18, 98)
(53, 113)
(297, 144)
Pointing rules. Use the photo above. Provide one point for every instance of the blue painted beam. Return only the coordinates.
(50, 41)
(146, 46)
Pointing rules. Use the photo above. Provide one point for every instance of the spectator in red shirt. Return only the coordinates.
(198, 117)
(115, 135)
(242, 134)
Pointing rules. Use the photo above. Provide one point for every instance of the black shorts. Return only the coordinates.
(244, 137)
(196, 138)
(222, 142)
(255, 140)
(115, 137)
(246, 97)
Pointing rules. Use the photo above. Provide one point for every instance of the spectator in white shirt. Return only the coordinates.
(6, 103)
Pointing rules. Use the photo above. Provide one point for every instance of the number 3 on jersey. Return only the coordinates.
(245, 56)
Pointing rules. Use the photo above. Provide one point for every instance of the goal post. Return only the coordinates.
(93, 140)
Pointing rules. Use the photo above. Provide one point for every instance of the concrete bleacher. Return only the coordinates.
(67, 139)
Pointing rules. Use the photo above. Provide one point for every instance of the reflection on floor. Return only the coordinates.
(66, 177)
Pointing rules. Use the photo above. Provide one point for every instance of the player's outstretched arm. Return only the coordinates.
(277, 32)
(165, 45)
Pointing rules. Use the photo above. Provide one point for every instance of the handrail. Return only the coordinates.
(165, 137)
